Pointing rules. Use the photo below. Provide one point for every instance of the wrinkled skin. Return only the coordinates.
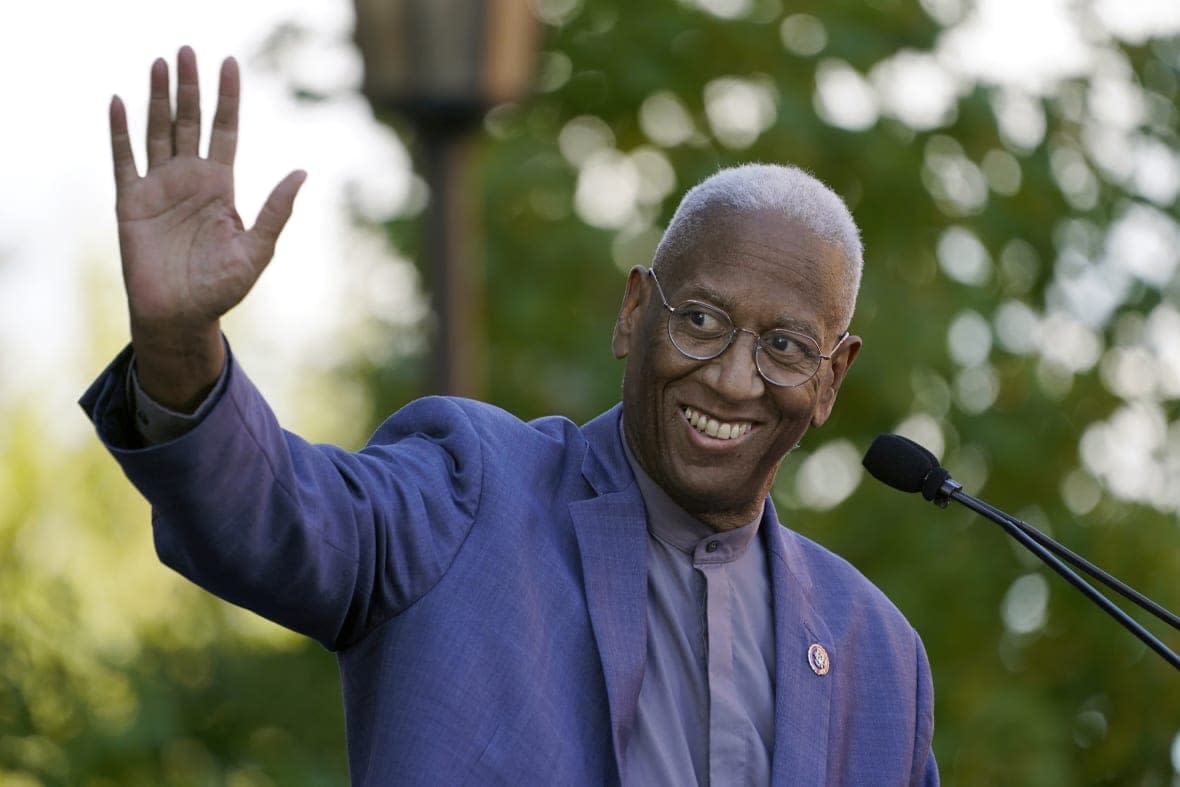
(767, 272)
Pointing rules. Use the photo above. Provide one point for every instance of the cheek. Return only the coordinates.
(663, 364)
(796, 408)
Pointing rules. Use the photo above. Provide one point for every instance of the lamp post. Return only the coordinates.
(442, 64)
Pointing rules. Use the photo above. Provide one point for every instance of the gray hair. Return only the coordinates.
(789, 190)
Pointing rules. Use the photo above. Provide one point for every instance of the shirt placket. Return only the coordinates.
(714, 560)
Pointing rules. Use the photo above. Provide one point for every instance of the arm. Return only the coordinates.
(157, 424)
(187, 258)
(324, 541)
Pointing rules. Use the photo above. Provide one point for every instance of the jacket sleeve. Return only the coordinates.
(321, 540)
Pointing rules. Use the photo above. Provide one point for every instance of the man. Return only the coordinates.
(533, 603)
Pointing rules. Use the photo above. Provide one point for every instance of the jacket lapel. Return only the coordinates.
(802, 697)
(611, 530)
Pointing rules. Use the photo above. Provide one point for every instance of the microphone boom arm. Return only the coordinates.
(948, 489)
(908, 467)
(1030, 543)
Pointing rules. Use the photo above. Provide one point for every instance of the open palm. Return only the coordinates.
(187, 257)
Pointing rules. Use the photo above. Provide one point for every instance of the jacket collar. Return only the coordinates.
(605, 465)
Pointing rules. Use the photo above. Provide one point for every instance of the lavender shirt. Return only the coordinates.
(706, 706)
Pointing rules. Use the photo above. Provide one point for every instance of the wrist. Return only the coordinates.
(178, 370)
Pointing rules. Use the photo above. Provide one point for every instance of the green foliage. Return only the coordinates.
(116, 671)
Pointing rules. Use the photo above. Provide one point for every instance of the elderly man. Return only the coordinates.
(533, 603)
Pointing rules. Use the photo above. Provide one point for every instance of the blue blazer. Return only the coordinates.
(483, 582)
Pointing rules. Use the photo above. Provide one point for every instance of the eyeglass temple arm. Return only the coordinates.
(839, 341)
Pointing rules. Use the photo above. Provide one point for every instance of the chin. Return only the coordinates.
(716, 500)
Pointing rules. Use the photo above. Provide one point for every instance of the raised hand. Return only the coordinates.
(187, 258)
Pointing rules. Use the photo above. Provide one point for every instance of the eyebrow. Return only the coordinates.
(701, 292)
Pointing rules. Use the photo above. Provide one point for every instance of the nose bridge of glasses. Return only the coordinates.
(757, 356)
(733, 358)
(755, 343)
(737, 330)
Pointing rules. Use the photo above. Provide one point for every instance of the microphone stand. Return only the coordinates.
(1094, 571)
(952, 490)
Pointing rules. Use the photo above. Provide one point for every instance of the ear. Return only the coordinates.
(627, 326)
(841, 360)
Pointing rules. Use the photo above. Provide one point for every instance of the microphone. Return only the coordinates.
(904, 465)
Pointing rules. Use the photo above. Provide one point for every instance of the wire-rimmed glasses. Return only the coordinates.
(702, 332)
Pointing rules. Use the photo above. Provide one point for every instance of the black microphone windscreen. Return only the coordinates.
(899, 462)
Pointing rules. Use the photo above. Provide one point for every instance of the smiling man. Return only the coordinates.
(532, 603)
(736, 343)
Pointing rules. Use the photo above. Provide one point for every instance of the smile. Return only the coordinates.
(721, 430)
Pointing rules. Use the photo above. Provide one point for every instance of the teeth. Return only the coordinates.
(713, 427)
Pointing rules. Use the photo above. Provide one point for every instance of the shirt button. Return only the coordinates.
(712, 546)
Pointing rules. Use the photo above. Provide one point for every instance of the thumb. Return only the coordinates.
(274, 214)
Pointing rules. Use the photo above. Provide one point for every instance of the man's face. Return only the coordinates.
(766, 272)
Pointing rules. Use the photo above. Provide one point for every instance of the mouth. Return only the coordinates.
(712, 427)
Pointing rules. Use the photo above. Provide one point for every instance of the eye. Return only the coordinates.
(788, 348)
(701, 321)
(780, 343)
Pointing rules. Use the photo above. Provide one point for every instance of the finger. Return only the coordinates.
(273, 216)
(186, 134)
(224, 140)
(159, 127)
(121, 154)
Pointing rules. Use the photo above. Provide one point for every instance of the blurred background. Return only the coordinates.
(1014, 167)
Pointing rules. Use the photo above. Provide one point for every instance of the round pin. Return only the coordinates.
(817, 657)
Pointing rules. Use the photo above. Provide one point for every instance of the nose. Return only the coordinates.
(734, 373)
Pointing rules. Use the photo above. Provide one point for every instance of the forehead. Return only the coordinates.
(759, 260)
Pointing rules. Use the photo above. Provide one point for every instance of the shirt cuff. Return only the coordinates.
(156, 423)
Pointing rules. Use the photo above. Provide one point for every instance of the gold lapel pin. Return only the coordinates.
(817, 657)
